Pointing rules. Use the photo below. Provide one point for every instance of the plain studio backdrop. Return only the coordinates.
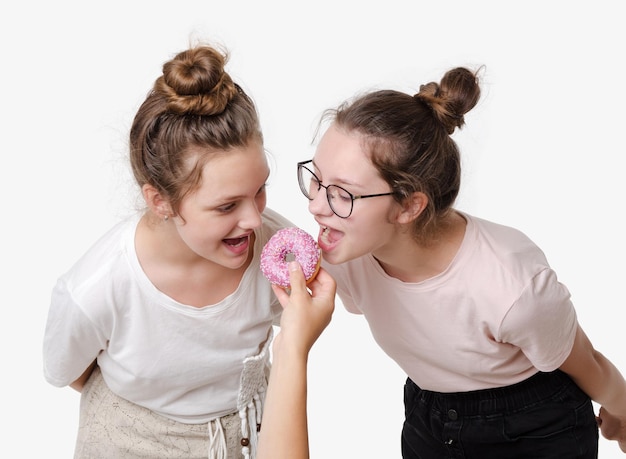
(543, 151)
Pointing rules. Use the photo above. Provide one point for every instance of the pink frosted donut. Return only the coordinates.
(286, 241)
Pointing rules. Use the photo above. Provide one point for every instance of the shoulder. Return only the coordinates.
(499, 232)
(272, 218)
(500, 258)
(272, 222)
(510, 246)
(109, 248)
(86, 290)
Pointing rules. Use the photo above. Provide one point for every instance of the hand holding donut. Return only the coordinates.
(305, 315)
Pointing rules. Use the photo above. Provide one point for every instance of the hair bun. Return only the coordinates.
(195, 82)
(456, 94)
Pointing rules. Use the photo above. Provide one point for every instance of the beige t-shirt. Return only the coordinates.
(493, 318)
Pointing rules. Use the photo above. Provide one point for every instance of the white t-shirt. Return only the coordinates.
(493, 318)
(180, 361)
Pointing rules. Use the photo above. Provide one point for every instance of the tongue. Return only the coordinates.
(235, 241)
(329, 236)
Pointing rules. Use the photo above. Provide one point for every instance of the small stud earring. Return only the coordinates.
(166, 218)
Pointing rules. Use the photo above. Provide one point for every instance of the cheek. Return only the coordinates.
(364, 237)
(261, 202)
(204, 232)
(371, 229)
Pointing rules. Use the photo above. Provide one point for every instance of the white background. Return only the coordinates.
(543, 151)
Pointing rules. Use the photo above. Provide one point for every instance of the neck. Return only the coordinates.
(180, 273)
(412, 262)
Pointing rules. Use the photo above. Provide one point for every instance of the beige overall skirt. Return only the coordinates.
(111, 427)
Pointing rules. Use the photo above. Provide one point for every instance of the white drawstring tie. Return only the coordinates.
(252, 388)
(217, 440)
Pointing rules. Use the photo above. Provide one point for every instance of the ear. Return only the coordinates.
(157, 203)
(412, 207)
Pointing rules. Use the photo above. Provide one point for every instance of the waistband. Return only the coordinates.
(537, 388)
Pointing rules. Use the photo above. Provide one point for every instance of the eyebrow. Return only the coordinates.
(340, 182)
(237, 197)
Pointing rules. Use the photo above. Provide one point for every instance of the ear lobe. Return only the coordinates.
(412, 207)
(157, 204)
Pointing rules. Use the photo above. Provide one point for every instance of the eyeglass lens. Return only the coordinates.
(340, 200)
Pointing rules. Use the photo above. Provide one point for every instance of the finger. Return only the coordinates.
(324, 285)
(281, 294)
(296, 279)
(327, 280)
(610, 432)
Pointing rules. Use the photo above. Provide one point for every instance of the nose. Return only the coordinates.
(251, 218)
(319, 205)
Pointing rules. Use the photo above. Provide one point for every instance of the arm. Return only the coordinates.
(82, 379)
(284, 429)
(603, 382)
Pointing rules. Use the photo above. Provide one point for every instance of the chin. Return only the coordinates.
(331, 258)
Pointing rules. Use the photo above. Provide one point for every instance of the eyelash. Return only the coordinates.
(228, 207)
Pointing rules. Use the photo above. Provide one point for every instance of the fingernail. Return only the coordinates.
(293, 266)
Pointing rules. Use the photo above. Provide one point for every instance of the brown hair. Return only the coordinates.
(194, 105)
(408, 140)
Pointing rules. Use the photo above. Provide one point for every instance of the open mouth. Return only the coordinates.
(236, 241)
(328, 238)
(237, 245)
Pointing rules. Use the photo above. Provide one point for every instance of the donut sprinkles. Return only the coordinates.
(285, 242)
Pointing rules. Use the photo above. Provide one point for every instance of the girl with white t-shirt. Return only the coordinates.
(497, 363)
(164, 323)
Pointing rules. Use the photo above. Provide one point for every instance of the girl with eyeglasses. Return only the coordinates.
(164, 325)
(498, 365)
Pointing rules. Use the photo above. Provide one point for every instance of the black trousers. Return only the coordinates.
(546, 416)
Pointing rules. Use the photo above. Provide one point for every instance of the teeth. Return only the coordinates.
(325, 233)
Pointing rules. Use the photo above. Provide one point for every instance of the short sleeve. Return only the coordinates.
(542, 323)
(71, 340)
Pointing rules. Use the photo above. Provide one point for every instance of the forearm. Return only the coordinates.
(607, 385)
(284, 432)
(608, 388)
(284, 429)
(596, 375)
(82, 379)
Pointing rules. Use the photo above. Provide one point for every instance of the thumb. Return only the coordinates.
(296, 278)
(297, 284)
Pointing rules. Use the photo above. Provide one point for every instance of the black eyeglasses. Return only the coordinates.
(340, 200)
